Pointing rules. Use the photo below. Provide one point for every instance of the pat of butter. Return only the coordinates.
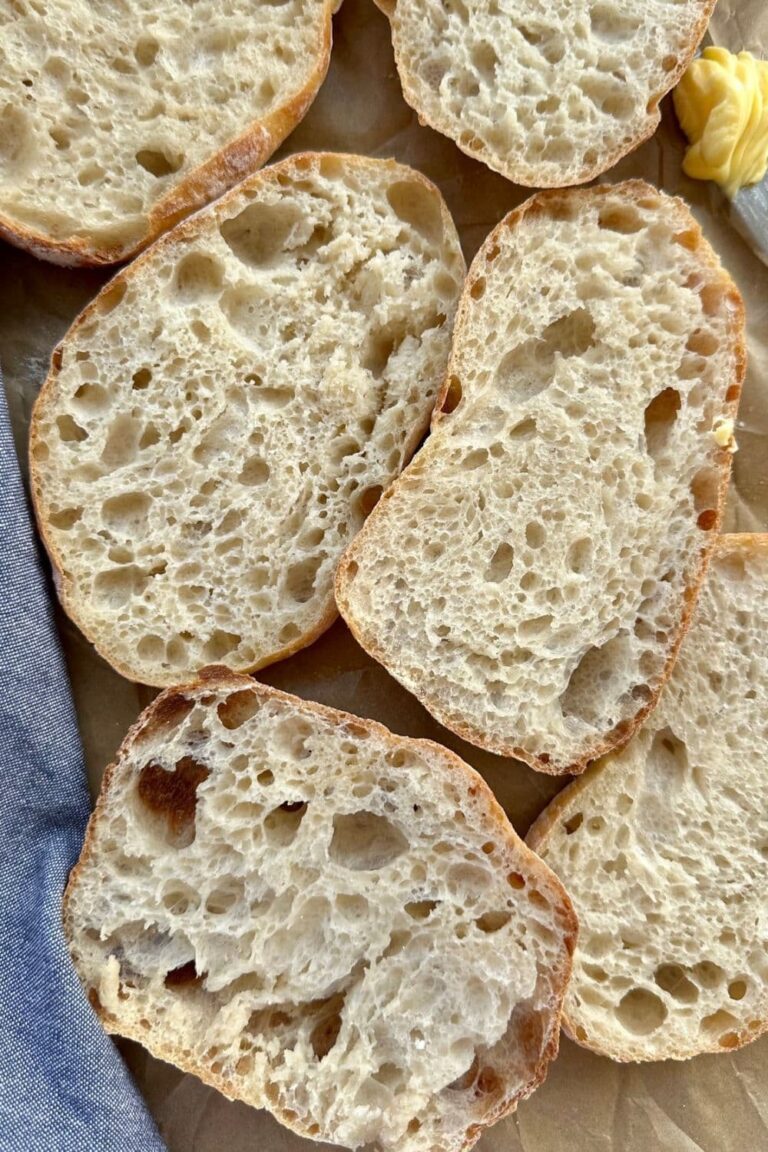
(722, 105)
(724, 437)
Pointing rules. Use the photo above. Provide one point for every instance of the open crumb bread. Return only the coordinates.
(664, 847)
(548, 94)
(116, 120)
(219, 421)
(319, 918)
(529, 577)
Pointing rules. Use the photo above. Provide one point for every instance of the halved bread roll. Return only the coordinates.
(530, 576)
(218, 423)
(549, 95)
(664, 847)
(118, 120)
(320, 918)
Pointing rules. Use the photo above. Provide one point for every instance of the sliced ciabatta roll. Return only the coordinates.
(549, 95)
(116, 120)
(530, 576)
(664, 848)
(218, 423)
(320, 918)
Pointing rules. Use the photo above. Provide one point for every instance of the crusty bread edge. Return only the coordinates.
(203, 184)
(182, 232)
(545, 823)
(218, 677)
(533, 177)
(539, 204)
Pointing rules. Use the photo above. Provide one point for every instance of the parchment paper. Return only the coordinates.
(588, 1104)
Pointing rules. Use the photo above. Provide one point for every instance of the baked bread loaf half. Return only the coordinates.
(319, 918)
(549, 95)
(530, 576)
(218, 422)
(664, 847)
(118, 120)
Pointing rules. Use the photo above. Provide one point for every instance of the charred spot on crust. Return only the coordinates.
(172, 796)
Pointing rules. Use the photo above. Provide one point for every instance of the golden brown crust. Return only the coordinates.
(183, 231)
(168, 705)
(236, 160)
(539, 204)
(532, 178)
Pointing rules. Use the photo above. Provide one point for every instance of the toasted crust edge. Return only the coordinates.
(184, 231)
(543, 826)
(218, 676)
(236, 160)
(539, 204)
(530, 177)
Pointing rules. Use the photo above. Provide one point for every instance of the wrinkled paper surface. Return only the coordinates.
(588, 1104)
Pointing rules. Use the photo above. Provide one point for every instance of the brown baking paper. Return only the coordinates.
(588, 1104)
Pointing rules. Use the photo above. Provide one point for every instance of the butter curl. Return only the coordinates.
(722, 105)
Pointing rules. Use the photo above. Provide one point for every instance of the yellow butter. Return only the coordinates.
(724, 437)
(722, 105)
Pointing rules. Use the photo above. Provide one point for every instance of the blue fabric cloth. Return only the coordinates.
(63, 1086)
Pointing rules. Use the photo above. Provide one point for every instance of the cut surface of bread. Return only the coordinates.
(217, 424)
(319, 918)
(118, 119)
(530, 575)
(664, 848)
(547, 94)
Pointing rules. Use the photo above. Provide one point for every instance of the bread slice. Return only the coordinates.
(117, 120)
(530, 576)
(664, 847)
(547, 94)
(319, 918)
(217, 424)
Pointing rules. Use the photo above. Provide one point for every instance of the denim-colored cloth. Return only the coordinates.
(63, 1086)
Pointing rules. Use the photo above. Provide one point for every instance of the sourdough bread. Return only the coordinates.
(118, 120)
(664, 847)
(530, 575)
(319, 918)
(217, 424)
(547, 94)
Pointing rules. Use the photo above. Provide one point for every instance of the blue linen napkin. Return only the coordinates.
(63, 1086)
